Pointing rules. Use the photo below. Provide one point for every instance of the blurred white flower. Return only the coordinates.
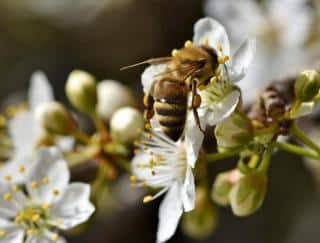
(281, 28)
(220, 98)
(112, 95)
(63, 12)
(24, 130)
(48, 203)
(161, 163)
(126, 123)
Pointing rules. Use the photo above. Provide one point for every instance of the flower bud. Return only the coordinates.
(81, 91)
(125, 124)
(222, 186)
(307, 85)
(112, 95)
(233, 132)
(55, 118)
(202, 221)
(248, 194)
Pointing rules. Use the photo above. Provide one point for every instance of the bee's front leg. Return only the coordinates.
(148, 102)
(195, 104)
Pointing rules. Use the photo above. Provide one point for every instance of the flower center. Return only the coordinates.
(33, 218)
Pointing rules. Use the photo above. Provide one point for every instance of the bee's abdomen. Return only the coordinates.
(171, 107)
(171, 118)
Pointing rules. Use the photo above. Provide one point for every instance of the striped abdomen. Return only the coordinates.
(171, 106)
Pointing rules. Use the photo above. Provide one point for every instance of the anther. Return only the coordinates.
(2, 233)
(55, 192)
(22, 169)
(3, 121)
(16, 188)
(55, 237)
(213, 79)
(35, 218)
(7, 197)
(205, 42)
(45, 206)
(219, 47)
(153, 172)
(218, 72)
(147, 199)
(147, 126)
(34, 185)
(188, 44)
(223, 59)
(174, 52)
(45, 180)
(7, 178)
(133, 179)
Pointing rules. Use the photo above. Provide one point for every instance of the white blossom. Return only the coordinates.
(219, 99)
(24, 130)
(33, 212)
(282, 29)
(161, 163)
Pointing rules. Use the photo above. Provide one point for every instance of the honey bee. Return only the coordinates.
(189, 69)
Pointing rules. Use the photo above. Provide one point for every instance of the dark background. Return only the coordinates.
(122, 35)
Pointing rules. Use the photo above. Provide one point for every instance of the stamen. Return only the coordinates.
(7, 178)
(205, 41)
(223, 59)
(55, 237)
(147, 126)
(16, 188)
(133, 179)
(34, 185)
(3, 121)
(7, 197)
(188, 44)
(218, 72)
(3, 233)
(22, 169)
(174, 52)
(35, 218)
(46, 206)
(213, 79)
(219, 47)
(147, 199)
(45, 180)
(55, 192)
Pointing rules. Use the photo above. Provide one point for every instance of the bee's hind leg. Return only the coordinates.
(196, 102)
(148, 102)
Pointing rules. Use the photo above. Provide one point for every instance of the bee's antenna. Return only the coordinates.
(158, 60)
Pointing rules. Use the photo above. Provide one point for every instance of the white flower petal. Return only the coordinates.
(242, 59)
(13, 169)
(47, 237)
(294, 19)
(51, 166)
(188, 191)
(232, 13)
(9, 208)
(13, 234)
(193, 138)
(223, 109)
(74, 206)
(170, 213)
(40, 90)
(23, 132)
(151, 74)
(208, 28)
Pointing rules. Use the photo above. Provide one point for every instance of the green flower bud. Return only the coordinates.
(248, 194)
(55, 118)
(307, 85)
(125, 124)
(81, 91)
(222, 186)
(202, 221)
(234, 132)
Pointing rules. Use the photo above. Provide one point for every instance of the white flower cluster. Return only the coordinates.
(33, 211)
(163, 163)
